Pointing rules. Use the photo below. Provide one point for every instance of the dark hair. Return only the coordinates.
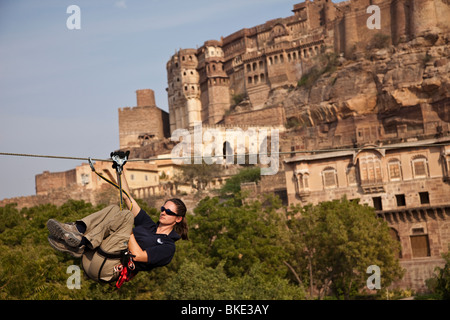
(180, 227)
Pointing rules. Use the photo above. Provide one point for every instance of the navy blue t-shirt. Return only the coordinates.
(160, 248)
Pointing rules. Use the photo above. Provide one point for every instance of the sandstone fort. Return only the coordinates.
(362, 111)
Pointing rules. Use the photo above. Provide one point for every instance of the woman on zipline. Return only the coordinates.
(108, 244)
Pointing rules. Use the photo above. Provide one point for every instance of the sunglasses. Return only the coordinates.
(170, 212)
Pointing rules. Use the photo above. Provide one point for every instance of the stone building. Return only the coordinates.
(205, 84)
(407, 183)
(138, 175)
(140, 125)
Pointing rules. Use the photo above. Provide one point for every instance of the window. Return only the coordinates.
(377, 204)
(420, 246)
(424, 198)
(394, 170)
(446, 160)
(401, 201)
(303, 181)
(261, 76)
(329, 178)
(370, 170)
(420, 167)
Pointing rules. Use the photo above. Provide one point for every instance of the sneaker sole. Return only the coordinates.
(53, 244)
(56, 230)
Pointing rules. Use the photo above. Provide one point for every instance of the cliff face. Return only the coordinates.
(378, 81)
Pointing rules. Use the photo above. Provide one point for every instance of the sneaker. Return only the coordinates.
(67, 232)
(63, 247)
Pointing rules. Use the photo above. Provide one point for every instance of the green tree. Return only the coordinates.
(240, 234)
(337, 241)
(439, 283)
(233, 184)
(258, 285)
(197, 282)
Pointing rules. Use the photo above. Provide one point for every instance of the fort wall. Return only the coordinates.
(253, 61)
(143, 123)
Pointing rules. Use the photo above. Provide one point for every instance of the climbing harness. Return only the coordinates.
(125, 268)
(119, 160)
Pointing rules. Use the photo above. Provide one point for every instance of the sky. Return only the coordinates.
(61, 88)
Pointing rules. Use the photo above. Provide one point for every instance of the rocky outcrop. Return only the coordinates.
(380, 81)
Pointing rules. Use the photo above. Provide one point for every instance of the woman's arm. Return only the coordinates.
(133, 246)
(135, 209)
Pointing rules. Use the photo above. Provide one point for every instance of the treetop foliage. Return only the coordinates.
(238, 249)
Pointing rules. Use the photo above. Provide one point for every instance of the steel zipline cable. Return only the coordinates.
(314, 151)
(194, 156)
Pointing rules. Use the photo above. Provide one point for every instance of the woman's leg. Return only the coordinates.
(110, 227)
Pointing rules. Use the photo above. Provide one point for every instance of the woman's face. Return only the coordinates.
(164, 218)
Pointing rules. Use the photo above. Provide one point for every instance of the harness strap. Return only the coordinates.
(107, 255)
(126, 267)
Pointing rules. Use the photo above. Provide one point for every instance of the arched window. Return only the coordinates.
(370, 170)
(302, 180)
(227, 151)
(419, 166)
(261, 77)
(329, 177)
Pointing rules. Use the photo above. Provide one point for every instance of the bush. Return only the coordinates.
(380, 41)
